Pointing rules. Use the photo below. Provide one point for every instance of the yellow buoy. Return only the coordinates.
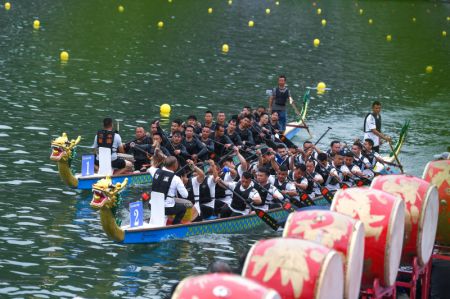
(429, 69)
(36, 24)
(388, 37)
(170, 1)
(414, 19)
(324, 22)
(210, 10)
(251, 23)
(225, 48)
(160, 24)
(64, 56)
(316, 42)
(277, 3)
(267, 10)
(448, 18)
(444, 33)
(164, 110)
(361, 11)
(230, 2)
(321, 86)
(120, 8)
(370, 21)
(319, 11)
(7, 5)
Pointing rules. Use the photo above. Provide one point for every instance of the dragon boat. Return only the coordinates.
(63, 153)
(106, 199)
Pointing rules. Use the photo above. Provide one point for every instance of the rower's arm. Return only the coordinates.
(270, 103)
(241, 158)
(381, 135)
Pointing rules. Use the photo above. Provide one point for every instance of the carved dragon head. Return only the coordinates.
(105, 193)
(62, 148)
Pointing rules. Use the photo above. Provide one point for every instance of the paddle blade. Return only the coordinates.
(269, 220)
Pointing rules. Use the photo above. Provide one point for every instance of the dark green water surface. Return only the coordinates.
(122, 65)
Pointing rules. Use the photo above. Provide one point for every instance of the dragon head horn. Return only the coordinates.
(121, 186)
(74, 142)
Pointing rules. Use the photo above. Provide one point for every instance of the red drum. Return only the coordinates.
(335, 231)
(438, 173)
(383, 217)
(296, 268)
(421, 214)
(221, 285)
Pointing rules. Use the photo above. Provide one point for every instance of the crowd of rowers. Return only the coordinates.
(231, 167)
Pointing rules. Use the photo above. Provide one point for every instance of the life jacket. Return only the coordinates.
(205, 192)
(323, 171)
(359, 162)
(220, 191)
(105, 138)
(310, 188)
(281, 97)
(192, 195)
(237, 203)
(162, 180)
(371, 157)
(281, 186)
(262, 190)
(377, 122)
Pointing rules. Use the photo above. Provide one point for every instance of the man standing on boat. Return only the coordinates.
(109, 138)
(372, 127)
(168, 183)
(278, 100)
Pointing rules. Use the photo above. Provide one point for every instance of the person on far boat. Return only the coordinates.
(157, 143)
(177, 148)
(139, 148)
(243, 191)
(246, 111)
(109, 138)
(243, 129)
(274, 122)
(222, 143)
(192, 143)
(232, 133)
(221, 119)
(372, 127)
(175, 126)
(192, 121)
(167, 182)
(209, 122)
(208, 150)
(258, 112)
(278, 100)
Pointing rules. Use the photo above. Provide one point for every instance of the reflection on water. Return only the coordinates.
(121, 65)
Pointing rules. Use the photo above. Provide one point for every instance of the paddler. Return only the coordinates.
(167, 182)
(109, 138)
(372, 127)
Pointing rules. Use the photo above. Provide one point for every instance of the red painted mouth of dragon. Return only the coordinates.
(57, 152)
(98, 198)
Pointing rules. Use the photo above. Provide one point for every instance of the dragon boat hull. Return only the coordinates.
(134, 179)
(229, 225)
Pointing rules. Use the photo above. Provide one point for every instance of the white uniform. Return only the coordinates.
(368, 127)
(175, 186)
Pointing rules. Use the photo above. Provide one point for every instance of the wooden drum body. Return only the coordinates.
(438, 173)
(296, 268)
(421, 213)
(383, 217)
(220, 285)
(335, 231)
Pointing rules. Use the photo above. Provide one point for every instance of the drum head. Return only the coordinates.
(355, 261)
(394, 244)
(428, 225)
(331, 277)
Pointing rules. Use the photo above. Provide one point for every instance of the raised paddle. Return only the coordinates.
(323, 135)
(133, 146)
(301, 118)
(266, 218)
(396, 157)
(297, 126)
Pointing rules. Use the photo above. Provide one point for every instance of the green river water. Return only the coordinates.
(122, 65)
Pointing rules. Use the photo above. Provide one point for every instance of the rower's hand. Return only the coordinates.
(228, 145)
(291, 101)
(388, 138)
(177, 152)
(236, 149)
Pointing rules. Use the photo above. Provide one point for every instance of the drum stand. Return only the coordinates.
(379, 292)
(416, 274)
